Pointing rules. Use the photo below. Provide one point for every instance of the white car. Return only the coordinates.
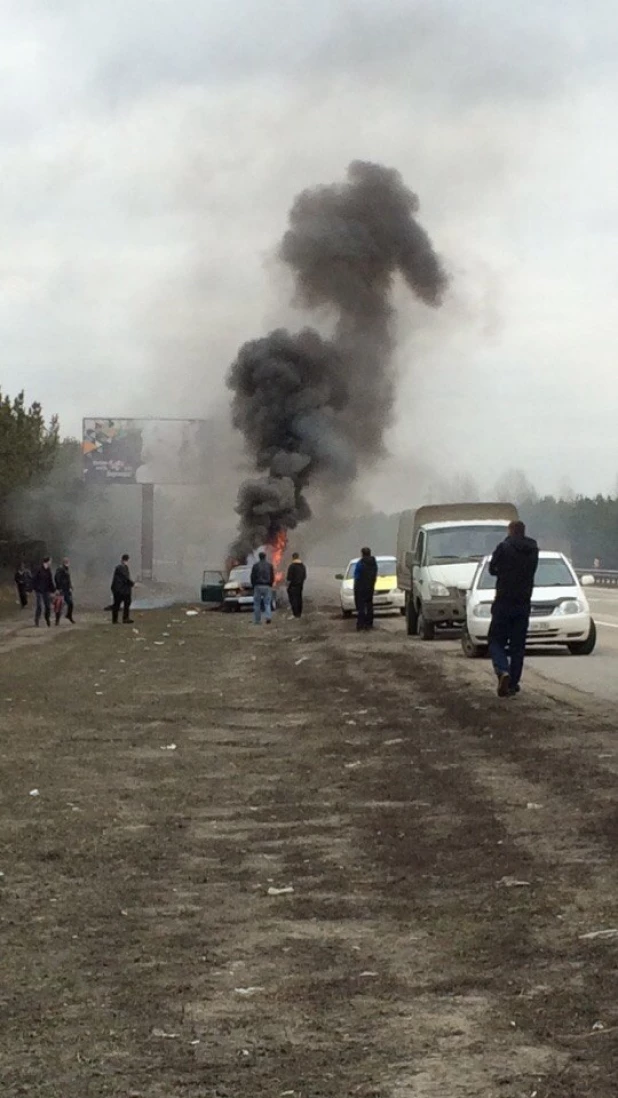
(559, 612)
(387, 595)
(238, 592)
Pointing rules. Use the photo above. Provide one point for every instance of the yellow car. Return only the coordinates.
(387, 595)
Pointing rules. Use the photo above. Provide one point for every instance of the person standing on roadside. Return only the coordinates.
(365, 575)
(297, 574)
(122, 588)
(514, 565)
(64, 587)
(43, 587)
(262, 582)
(23, 583)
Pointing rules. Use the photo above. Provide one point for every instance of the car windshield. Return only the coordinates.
(386, 567)
(239, 575)
(457, 543)
(551, 572)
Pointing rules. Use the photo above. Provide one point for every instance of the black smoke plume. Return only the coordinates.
(312, 408)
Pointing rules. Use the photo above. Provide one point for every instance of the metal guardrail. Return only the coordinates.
(603, 577)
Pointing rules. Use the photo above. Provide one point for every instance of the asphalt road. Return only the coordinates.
(596, 674)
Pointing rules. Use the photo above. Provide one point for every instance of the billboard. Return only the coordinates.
(144, 451)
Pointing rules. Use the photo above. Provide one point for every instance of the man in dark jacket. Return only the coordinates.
(64, 587)
(23, 583)
(297, 574)
(43, 587)
(514, 564)
(262, 582)
(365, 575)
(122, 587)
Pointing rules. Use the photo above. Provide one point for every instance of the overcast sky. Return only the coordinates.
(150, 150)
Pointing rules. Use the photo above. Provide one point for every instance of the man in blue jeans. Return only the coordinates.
(514, 564)
(262, 582)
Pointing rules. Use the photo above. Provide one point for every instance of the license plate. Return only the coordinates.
(538, 627)
(380, 602)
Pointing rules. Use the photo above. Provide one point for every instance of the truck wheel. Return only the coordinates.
(585, 648)
(425, 629)
(411, 616)
(346, 613)
(471, 650)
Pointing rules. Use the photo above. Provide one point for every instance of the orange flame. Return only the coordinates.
(278, 546)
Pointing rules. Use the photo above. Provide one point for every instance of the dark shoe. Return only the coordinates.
(127, 621)
(504, 684)
(514, 691)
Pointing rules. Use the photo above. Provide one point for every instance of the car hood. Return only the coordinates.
(383, 583)
(540, 594)
(458, 574)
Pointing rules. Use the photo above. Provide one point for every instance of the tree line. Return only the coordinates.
(43, 499)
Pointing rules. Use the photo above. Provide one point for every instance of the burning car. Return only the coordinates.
(238, 592)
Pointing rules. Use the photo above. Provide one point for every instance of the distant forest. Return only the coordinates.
(582, 528)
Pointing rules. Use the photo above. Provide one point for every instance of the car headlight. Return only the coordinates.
(438, 590)
(482, 610)
(570, 606)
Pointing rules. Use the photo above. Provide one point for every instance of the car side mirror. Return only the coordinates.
(587, 581)
(339, 576)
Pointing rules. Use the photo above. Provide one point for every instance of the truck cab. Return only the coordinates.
(438, 551)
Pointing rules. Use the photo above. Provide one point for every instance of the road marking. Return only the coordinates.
(607, 624)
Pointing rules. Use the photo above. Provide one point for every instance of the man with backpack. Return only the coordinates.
(262, 582)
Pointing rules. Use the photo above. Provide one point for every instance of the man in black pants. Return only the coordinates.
(365, 575)
(514, 565)
(64, 587)
(122, 586)
(297, 574)
(23, 582)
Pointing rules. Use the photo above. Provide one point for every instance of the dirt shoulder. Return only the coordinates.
(295, 861)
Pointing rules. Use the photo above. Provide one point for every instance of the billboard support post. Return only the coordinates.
(147, 530)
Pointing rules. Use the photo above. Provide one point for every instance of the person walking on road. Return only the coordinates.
(43, 587)
(297, 574)
(365, 575)
(64, 588)
(122, 588)
(262, 582)
(514, 565)
(23, 583)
